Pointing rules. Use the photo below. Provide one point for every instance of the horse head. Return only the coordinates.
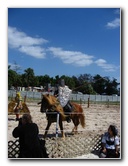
(44, 104)
(50, 102)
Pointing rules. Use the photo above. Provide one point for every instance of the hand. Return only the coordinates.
(104, 150)
(20, 122)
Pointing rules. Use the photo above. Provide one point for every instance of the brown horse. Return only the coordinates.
(51, 107)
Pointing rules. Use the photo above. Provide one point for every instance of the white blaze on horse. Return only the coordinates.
(51, 107)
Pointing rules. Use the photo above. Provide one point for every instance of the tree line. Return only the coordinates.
(85, 83)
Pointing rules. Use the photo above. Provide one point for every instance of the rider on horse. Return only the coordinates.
(62, 92)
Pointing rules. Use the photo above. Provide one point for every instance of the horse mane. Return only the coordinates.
(54, 104)
(50, 99)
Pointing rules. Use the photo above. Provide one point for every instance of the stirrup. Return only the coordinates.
(68, 119)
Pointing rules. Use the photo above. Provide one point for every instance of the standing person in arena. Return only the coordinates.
(30, 146)
(63, 92)
(110, 143)
(18, 105)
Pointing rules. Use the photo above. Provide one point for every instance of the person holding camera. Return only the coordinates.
(110, 143)
(27, 131)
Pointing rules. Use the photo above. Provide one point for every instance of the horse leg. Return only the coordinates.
(61, 128)
(76, 122)
(74, 130)
(47, 128)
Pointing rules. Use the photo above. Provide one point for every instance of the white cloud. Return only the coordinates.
(113, 24)
(72, 57)
(107, 67)
(26, 44)
(35, 51)
(33, 47)
(14, 66)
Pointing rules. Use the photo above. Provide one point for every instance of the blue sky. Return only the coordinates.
(65, 41)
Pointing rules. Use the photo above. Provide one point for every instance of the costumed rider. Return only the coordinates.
(63, 92)
(18, 106)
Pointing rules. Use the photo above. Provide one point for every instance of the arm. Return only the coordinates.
(103, 143)
(117, 144)
(117, 149)
(56, 93)
(19, 105)
(17, 131)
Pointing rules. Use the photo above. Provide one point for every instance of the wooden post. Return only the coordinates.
(80, 101)
(57, 122)
(108, 104)
(12, 98)
(25, 99)
(88, 101)
(41, 96)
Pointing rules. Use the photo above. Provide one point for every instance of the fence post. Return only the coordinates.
(57, 122)
(41, 96)
(88, 101)
(80, 101)
(33, 95)
(25, 99)
(12, 97)
(108, 104)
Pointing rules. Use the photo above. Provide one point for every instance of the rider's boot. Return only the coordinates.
(68, 119)
(68, 110)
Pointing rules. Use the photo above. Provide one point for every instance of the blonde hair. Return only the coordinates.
(18, 95)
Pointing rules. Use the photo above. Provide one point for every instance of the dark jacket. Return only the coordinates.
(29, 141)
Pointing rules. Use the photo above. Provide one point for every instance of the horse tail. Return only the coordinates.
(81, 117)
(78, 109)
(82, 120)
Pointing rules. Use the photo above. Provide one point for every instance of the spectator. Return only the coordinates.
(110, 143)
(30, 146)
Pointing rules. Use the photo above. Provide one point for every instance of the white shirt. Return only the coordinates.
(64, 95)
(110, 142)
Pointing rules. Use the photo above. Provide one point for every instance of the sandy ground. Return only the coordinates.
(97, 119)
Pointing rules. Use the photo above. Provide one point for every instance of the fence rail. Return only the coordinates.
(69, 148)
(74, 97)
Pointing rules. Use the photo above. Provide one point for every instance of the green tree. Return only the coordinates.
(112, 87)
(12, 78)
(99, 84)
(84, 83)
(29, 77)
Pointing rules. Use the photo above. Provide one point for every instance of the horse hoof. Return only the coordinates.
(63, 138)
(68, 119)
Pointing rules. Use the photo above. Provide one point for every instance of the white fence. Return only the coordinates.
(78, 97)
(74, 97)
